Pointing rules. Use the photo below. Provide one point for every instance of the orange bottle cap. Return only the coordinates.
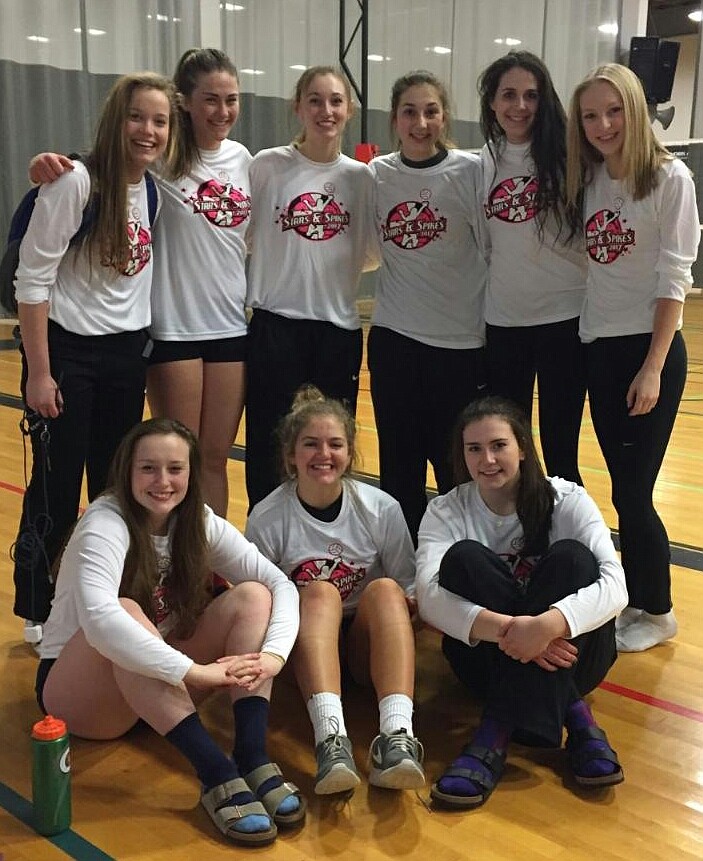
(49, 729)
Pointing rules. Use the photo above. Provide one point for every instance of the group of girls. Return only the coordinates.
(136, 615)
(125, 606)
(517, 563)
(197, 348)
(589, 262)
(310, 223)
(516, 569)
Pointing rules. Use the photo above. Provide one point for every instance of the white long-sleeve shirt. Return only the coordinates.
(368, 539)
(462, 514)
(88, 584)
(82, 299)
(639, 251)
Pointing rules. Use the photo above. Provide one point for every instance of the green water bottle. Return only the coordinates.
(51, 776)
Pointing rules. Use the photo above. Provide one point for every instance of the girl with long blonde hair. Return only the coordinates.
(84, 311)
(642, 234)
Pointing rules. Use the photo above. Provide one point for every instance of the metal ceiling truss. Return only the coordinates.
(360, 31)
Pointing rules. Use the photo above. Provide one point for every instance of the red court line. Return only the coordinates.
(12, 489)
(629, 693)
(655, 702)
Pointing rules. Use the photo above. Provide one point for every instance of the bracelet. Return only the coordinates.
(278, 657)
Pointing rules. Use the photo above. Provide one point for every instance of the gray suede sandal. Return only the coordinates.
(218, 803)
(274, 797)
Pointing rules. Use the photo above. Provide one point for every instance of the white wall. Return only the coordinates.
(682, 93)
(266, 37)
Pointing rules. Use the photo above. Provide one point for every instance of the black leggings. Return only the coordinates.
(418, 391)
(634, 448)
(102, 379)
(530, 698)
(283, 354)
(553, 354)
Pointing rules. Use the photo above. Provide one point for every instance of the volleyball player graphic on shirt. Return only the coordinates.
(314, 215)
(607, 237)
(221, 203)
(158, 598)
(333, 569)
(139, 244)
(513, 200)
(412, 223)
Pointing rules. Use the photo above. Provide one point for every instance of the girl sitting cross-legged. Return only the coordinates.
(520, 573)
(134, 631)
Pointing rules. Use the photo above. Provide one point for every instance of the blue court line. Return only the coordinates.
(11, 401)
(8, 343)
(72, 844)
(683, 555)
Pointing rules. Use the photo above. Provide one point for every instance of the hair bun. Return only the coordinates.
(305, 395)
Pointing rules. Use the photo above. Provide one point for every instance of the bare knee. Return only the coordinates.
(320, 597)
(381, 596)
(135, 611)
(382, 608)
(249, 601)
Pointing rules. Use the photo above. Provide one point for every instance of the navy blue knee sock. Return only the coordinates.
(194, 742)
(213, 767)
(251, 717)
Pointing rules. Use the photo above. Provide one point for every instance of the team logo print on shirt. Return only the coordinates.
(158, 596)
(521, 568)
(314, 215)
(607, 237)
(413, 223)
(139, 244)
(513, 200)
(221, 203)
(332, 569)
(160, 604)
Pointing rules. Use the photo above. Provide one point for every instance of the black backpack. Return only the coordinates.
(20, 223)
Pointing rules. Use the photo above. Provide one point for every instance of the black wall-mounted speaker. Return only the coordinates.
(654, 62)
(667, 58)
(643, 61)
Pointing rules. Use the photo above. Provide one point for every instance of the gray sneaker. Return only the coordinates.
(336, 771)
(395, 761)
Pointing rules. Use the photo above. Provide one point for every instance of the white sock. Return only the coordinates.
(627, 617)
(647, 631)
(396, 712)
(325, 710)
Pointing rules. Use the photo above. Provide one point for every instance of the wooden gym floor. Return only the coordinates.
(137, 799)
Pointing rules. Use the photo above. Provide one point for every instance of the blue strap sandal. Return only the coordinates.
(580, 753)
(494, 762)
